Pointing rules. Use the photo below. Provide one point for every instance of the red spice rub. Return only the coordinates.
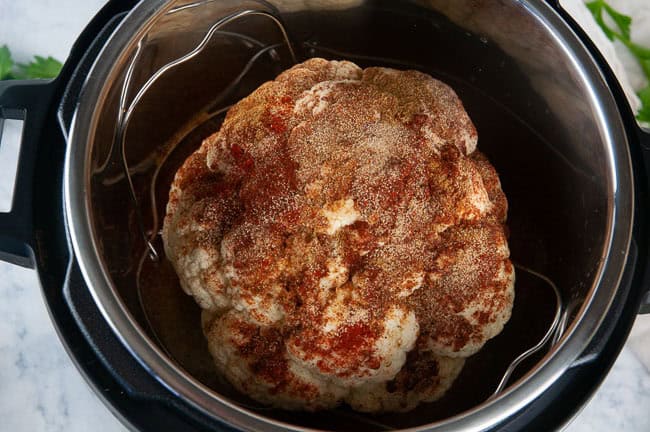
(341, 214)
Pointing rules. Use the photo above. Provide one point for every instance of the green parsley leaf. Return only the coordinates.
(6, 62)
(639, 51)
(644, 113)
(622, 21)
(40, 67)
(645, 65)
(596, 7)
(642, 54)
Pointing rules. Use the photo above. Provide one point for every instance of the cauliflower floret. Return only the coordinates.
(424, 378)
(344, 239)
(485, 306)
(348, 351)
(243, 350)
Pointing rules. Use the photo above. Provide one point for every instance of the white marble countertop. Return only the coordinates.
(40, 389)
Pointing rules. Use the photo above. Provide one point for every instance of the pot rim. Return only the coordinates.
(620, 211)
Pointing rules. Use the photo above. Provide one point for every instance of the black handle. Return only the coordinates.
(28, 101)
(31, 101)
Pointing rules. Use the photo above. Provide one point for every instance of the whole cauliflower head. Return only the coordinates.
(344, 239)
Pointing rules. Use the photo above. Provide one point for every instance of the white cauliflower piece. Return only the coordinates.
(347, 351)
(343, 238)
(424, 378)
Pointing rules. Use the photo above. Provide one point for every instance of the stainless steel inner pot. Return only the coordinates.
(544, 115)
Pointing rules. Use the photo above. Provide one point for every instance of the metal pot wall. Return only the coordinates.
(549, 114)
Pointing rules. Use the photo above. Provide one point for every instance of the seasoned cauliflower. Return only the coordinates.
(344, 239)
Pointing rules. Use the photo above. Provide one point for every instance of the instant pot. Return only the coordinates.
(91, 189)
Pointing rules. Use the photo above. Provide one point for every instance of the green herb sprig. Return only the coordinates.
(40, 67)
(600, 8)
